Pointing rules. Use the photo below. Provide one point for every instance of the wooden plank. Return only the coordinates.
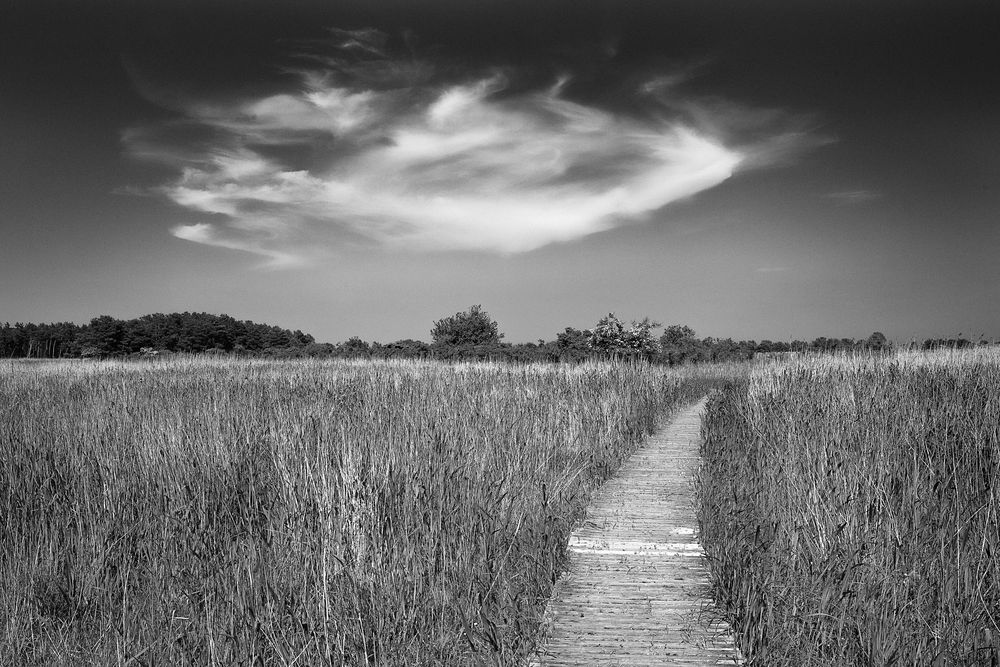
(637, 590)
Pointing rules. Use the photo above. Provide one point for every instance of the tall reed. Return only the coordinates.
(222, 512)
(850, 509)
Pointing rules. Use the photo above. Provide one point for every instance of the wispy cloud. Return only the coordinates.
(771, 269)
(368, 147)
(852, 197)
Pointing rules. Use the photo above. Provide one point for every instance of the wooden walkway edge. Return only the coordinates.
(636, 592)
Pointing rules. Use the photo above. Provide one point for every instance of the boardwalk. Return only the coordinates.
(636, 590)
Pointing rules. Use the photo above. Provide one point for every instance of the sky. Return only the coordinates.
(766, 170)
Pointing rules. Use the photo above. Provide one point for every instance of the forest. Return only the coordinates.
(468, 335)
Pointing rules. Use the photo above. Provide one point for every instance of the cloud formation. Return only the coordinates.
(369, 148)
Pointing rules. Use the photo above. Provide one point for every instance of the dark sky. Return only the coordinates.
(757, 170)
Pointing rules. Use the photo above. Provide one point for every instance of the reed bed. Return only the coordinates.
(347, 513)
(850, 509)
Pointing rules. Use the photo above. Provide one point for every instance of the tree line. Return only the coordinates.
(467, 335)
(106, 336)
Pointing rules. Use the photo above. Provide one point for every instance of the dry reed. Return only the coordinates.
(238, 512)
(850, 509)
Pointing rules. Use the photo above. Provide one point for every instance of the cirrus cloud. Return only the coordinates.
(363, 148)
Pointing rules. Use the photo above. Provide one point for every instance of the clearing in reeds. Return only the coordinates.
(221, 512)
(850, 509)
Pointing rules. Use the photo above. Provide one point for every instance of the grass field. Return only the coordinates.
(850, 508)
(202, 511)
(235, 512)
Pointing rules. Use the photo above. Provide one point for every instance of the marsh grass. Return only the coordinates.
(850, 509)
(221, 512)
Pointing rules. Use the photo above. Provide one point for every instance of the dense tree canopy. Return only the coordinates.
(177, 332)
(611, 337)
(470, 327)
(468, 335)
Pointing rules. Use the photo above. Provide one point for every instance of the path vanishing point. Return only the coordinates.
(636, 592)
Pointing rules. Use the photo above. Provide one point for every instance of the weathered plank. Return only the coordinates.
(637, 589)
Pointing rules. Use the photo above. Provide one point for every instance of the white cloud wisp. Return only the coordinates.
(461, 166)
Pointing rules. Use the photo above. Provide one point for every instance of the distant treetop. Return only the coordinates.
(175, 332)
(470, 327)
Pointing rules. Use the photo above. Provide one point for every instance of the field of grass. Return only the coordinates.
(236, 512)
(850, 509)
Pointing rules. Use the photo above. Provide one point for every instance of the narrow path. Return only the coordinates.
(636, 591)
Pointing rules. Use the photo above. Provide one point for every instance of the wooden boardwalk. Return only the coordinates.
(636, 591)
